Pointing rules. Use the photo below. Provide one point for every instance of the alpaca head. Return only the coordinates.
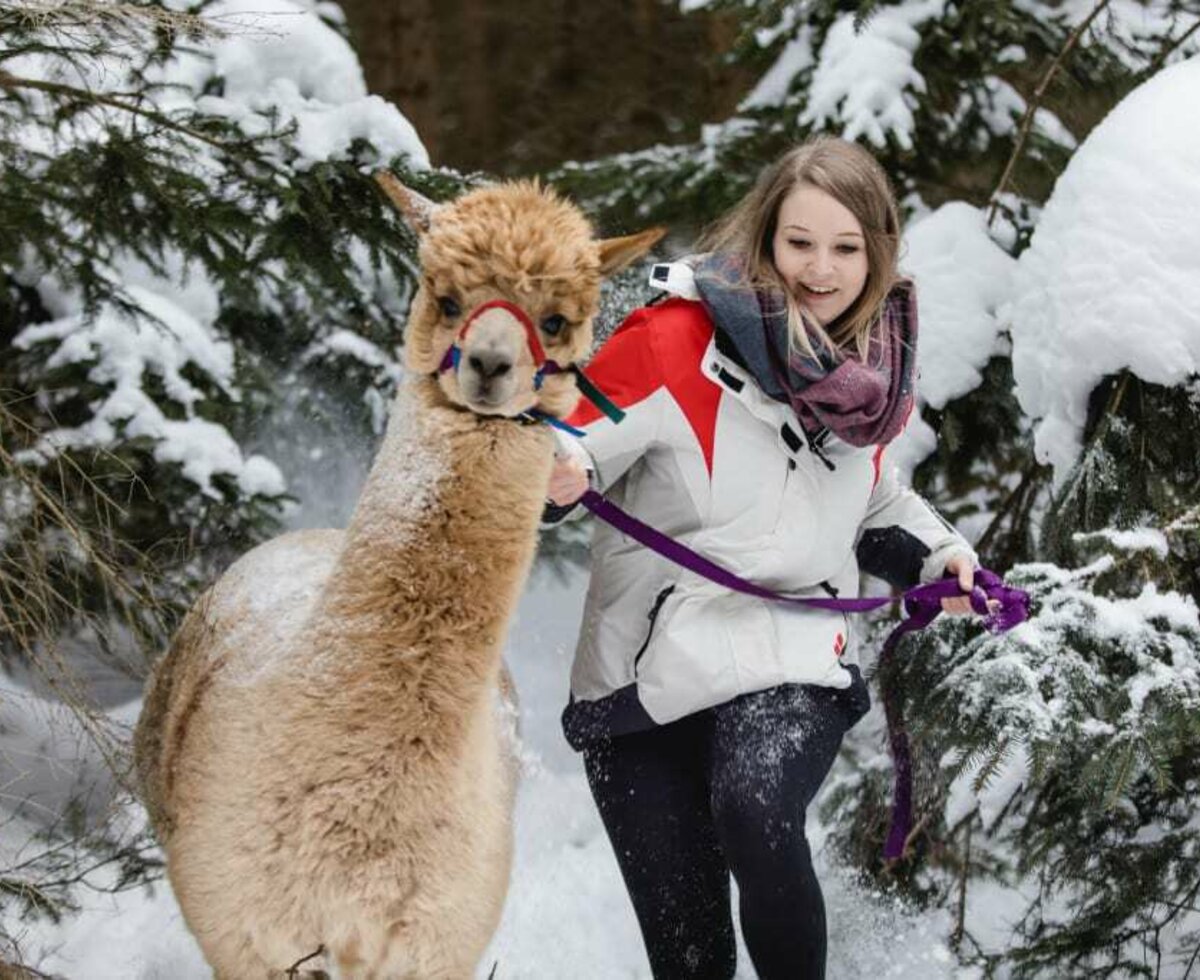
(511, 274)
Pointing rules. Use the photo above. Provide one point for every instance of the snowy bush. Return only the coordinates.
(1058, 760)
(201, 248)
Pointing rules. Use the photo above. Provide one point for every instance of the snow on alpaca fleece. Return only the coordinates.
(705, 456)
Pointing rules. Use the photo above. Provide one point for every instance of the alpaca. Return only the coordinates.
(324, 750)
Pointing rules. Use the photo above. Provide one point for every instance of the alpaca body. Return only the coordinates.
(326, 750)
(333, 767)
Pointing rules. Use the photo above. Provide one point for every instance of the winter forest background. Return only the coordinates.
(202, 300)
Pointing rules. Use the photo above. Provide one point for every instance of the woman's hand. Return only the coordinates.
(962, 567)
(568, 481)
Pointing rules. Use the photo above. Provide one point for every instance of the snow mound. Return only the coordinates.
(962, 278)
(1111, 279)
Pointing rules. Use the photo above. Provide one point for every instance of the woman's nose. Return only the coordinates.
(821, 262)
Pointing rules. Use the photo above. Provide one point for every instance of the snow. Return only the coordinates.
(865, 83)
(47, 763)
(122, 348)
(772, 88)
(1111, 279)
(356, 346)
(1133, 539)
(962, 278)
(1131, 29)
(567, 914)
(277, 54)
(1006, 107)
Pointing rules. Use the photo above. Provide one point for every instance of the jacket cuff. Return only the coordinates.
(933, 567)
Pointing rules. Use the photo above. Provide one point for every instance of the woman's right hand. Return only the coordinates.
(568, 481)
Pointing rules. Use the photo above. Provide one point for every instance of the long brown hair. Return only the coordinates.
(854, 178)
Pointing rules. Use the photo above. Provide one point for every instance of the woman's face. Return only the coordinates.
(820, 252)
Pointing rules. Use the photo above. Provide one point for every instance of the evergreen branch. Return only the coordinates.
(1161, 58)
(1034, 104)
(44, 14)
(13, 83)
(1118, 775)
(1105, 420)
(1010, 502)
(960, 911)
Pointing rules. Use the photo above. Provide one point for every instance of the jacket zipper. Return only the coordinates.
(787, 478)
(652, 616)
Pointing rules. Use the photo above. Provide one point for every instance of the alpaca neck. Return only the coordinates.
(437, 550)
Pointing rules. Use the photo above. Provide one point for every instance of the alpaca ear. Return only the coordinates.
(417, 209)
(616, 253)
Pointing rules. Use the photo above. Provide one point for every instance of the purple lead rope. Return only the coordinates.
(922, 603)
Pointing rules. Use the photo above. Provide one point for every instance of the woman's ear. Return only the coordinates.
(417, 209)
(617, 253)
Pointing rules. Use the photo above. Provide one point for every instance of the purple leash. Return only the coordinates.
(923, 603)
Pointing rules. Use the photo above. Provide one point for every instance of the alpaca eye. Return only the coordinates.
(553, 325)
(449, 307)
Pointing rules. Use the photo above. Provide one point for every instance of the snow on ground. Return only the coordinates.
(1111, 279)
(567, 914)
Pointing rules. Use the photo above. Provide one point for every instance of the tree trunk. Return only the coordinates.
(521, 87)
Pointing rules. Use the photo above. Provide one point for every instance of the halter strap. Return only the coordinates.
(543, 365)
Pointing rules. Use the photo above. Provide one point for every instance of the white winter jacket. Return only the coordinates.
(705, 456)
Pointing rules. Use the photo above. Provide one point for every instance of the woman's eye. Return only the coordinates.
(847, 249)
(798, 243)
(552, 325)
(449, 307)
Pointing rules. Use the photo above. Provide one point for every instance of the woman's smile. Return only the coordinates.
(819, 247)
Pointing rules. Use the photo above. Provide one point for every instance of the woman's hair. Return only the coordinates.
(854, 178)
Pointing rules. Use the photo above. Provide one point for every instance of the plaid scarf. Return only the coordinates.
(863, 402)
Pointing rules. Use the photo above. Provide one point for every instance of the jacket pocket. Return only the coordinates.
(653, 617)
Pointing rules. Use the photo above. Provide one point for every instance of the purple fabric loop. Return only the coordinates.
(923, 603)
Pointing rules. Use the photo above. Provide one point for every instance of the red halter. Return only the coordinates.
(544, 366)
(531, 334)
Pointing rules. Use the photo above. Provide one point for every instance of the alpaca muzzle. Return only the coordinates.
(490, 361)
(490, 349)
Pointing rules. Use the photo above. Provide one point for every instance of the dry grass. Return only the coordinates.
(65, 573)
(64, 569)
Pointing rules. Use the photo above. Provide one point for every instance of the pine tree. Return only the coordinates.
(187, 260)
(1059, 760)
(936, 90)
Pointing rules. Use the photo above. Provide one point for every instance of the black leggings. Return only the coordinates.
(725, 790)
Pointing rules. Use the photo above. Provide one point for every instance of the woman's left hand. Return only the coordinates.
(964, 569)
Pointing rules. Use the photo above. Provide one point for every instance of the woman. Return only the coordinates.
(759, 399)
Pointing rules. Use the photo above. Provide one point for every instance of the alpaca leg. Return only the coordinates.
(240, 967)
(233, 957)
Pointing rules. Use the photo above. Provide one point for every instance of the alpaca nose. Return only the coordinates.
(490, 364)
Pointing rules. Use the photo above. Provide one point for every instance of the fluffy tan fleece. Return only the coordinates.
(325, 749)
